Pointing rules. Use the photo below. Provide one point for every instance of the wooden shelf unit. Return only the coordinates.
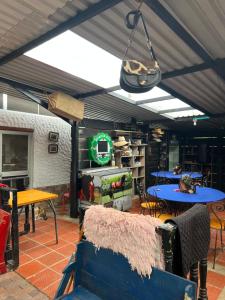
(136, 162)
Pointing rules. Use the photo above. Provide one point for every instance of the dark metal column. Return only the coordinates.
(74, 171)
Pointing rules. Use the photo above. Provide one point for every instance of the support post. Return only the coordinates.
(74, 171)
(167, 232)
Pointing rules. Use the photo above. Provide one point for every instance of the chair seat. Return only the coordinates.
(80, 293)
(164, 217)
(215, 224)
(148, 204)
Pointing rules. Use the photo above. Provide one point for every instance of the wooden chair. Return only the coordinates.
(168, 233)
(217, 223)
(96, 279)
(219, 226)
(149, 204)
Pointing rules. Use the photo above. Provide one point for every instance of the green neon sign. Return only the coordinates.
(100, 148)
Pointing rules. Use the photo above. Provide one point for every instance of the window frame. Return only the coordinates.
(15, 173)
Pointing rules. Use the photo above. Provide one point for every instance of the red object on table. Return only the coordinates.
(4, 231)
(3, 185)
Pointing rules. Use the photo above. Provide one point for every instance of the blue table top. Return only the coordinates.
(170, 175)
(171, 192)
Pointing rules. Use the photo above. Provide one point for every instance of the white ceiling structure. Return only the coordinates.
(50, 45)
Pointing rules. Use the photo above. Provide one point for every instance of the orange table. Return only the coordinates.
(31, 197)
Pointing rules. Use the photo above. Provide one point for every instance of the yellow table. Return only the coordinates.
(31, 197)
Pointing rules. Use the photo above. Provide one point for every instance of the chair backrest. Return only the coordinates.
(109, 276)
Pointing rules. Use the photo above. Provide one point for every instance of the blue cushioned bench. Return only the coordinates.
(104, 275)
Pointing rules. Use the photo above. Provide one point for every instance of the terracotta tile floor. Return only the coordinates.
(42, 261)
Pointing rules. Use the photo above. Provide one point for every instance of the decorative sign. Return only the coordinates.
(53, 136)
(100, 148)
(53, 148)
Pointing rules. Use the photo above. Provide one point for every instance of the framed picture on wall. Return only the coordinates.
(53, 148)
(53, 136)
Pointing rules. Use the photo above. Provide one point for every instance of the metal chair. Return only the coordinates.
(156, 207)
(149, 204)
(218, 224)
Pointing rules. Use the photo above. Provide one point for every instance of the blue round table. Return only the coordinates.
(171, 192)
(170, 175)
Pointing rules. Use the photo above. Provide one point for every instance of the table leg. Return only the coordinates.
(26, 224)
(33, 217)
(51, 205)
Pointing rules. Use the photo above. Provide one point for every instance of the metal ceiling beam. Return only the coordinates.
(170, 74)
(183, 98)
(161, 85)
(16, 84)
(78, 19)
(33, 97)
(157, 99)
(183, 34)
(27, 87)
(97, 92)
(193, 69)
(165, 111)
(184, 71)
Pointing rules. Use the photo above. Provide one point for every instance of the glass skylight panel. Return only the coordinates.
(154, 93)
(182, 114)
(75, 55)
(167, 104)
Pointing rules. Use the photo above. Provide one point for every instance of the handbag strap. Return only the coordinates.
(132, 24)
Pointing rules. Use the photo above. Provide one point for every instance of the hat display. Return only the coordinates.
(121, 142)
(157, 140)
(157, 133)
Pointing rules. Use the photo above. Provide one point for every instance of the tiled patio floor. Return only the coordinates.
(42, 261)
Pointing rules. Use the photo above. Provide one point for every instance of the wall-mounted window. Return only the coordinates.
(14, 153)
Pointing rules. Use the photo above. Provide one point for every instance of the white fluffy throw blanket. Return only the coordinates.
(131, 235)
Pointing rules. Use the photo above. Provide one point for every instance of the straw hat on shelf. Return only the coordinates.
(120, 142)
(158, 131)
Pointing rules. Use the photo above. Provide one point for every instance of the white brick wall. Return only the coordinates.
(48, 169)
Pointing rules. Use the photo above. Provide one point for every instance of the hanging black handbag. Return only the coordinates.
(135, 76)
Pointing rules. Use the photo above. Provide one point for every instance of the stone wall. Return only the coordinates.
(46, 170)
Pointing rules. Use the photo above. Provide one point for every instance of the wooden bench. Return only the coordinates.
(102, 274)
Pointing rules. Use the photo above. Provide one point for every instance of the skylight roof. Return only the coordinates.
(154, 93)
(75, 55)
(167, 104)
(182, 114)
